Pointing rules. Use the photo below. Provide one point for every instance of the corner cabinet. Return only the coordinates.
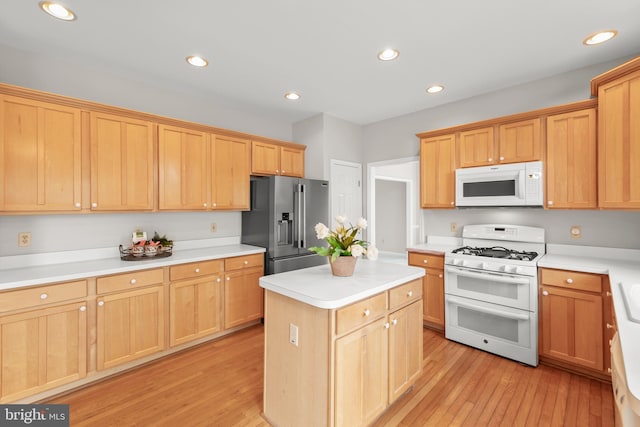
(619, 136)
(571, 161)
(122, 153)
(40, 156)
(437, 171)
(272, 159)
(432, 288)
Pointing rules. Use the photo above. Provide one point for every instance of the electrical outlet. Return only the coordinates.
(24, 239)
(576, 232)
(214, 227)
(293, 334)
(454, 227)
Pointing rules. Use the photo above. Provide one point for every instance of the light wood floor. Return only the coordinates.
(220, 384)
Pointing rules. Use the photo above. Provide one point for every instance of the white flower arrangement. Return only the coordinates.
(343, 240)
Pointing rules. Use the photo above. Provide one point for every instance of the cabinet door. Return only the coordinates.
(130, 326)
(476, 148)
(619, 143)
(361, 371)
(195, 309)
(40, 156)
(183, 169)
(520, 142)
(121, 163)
(265, 158)
(437, 172)
(231, 170)
(433, 298)
(243, 297)
(571, 160)
(42, 349)
(291, 162)
(572, 326)
(405, 349)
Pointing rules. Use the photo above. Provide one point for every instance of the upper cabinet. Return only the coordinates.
(183, 169)
(437, 172)
(231, 166)
(40, 156)
(273, 159)
(520, 141)
(571, 160)
(619, 136)
(121, 163)
(476, 148)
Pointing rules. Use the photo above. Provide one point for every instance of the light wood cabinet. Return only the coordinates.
(361, 384)
(476, 147)
(40, 156)
(195, 300)
(432, 288)
(572, 323)
(437, 172)
(619, 142)
(122, 175)
(571, 160)
(130, 324)
(231, 168)
(243, 296)
(183, 169)
(520, 141)
(405, 349)
(272, 159)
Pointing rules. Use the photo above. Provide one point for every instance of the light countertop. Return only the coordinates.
(623, 268)
(437, 245)
(316, 286)
(110, 263)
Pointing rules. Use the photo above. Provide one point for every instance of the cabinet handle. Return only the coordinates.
(451, 203)
(490, 159)
(83, 308)
(545, 293)
(44, 296)
(215, 204)
(228, 278)
(386, 325)
(77, 205)
(501, 157)
(277, 171)
(425, 261)
(284, 171)
(394, 322)
(569, 280)
(410, 294)
(366, 312)
(197, 270)
(246, 263)
(550, 202)
(218, 280)
(204, 204)
(94, 205)
(440, 276)
(133, 281)
(609, 326)
(100, 303)
(608, 293)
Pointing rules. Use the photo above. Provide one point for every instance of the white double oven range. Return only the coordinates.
(491, 290)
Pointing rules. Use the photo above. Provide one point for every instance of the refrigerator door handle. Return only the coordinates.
(304, 216)
(297, 217)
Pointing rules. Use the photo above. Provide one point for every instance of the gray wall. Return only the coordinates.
(391, 216)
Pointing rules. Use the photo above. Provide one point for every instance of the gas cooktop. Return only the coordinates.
(496, 252)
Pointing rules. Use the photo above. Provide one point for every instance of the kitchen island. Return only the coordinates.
(340, 350)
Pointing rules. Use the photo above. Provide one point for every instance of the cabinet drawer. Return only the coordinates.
(41, 295)
(136, 279)
(404, 293)
(572, 279)
(196, 269)
(246, 261)
(425, 260)
(360, 313)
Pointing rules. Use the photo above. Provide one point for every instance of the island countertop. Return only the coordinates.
(316, 286)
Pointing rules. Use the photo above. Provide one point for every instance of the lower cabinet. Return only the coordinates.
(432, 287)
(243, 296)
(195, 309)
(42, 349)
(405, 349)
(130, 325)
(572, 323)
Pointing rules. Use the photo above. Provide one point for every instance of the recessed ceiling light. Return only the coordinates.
(292, 96)
(435, 89)
(57, 10)
(599, 37)
(388, 55)
(197, 61)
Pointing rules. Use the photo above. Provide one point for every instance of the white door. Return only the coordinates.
(345, 185)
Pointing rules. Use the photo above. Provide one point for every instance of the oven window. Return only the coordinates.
(488, 324)
(488, 287)
(489, 188)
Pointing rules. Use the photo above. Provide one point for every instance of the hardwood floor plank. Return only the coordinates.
(220, 384)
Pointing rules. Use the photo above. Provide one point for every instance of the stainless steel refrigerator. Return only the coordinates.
(283, 214)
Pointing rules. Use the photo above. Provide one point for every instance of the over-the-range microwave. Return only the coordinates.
(515, 184)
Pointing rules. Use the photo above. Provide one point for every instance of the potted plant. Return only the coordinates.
(344, 245)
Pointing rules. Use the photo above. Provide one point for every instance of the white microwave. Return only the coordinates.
(515, 184)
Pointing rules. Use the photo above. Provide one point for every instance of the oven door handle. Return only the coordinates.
(507, 315)
(485, 276)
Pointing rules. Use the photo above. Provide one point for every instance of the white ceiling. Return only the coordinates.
(326, 49)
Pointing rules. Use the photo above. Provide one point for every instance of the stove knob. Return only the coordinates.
(457, 262)
(517, 270)
(484, 266)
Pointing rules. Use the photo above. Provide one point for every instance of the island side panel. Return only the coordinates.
(296, 379)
